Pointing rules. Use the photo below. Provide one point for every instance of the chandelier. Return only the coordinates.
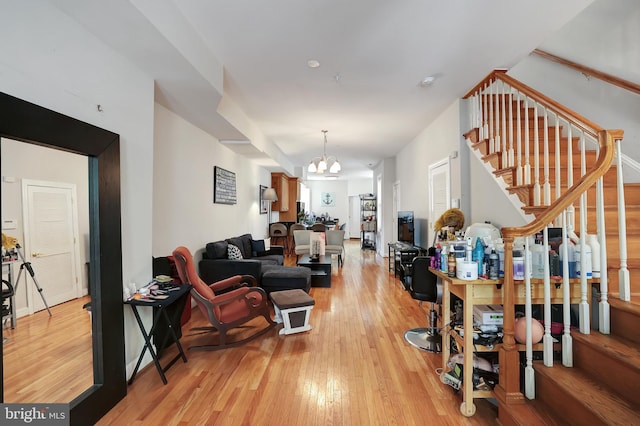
(320, 164)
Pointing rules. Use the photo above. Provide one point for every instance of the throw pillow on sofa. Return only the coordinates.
(257, 247)
(233, 252)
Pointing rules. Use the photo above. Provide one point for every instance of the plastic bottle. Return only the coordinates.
(468, 250)
(537, 259)
(587, 257)
(436, 259)
(451, 272)
(494, 265)
(595, 255)
(500, 252)
(478, 255)
(444, 254)
(554, 263)
(518, 265)
(571, 259)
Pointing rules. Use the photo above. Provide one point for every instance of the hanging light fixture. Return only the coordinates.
(320, 164)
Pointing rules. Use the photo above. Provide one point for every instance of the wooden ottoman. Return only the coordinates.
(293, 308)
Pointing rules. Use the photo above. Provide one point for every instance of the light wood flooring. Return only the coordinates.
(352, 368)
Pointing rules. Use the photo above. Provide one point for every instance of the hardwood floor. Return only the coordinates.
(49, 359)
(353, 367)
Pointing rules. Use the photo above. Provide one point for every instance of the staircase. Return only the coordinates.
(603, 384)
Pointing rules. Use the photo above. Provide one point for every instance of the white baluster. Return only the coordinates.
(503, 135)
(529, 374)
(527, 167)
(547, 340)
(519, 179)
(603, 306)
(558, 171)
(547, 184)
(567, 343)
(511, 124)
(584, 313)
(623, 272)
(536, 156)
(491, 131)
(570, 210)
(485, 124)
(498, 136)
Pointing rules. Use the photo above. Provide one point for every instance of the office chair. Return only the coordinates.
(424, 286)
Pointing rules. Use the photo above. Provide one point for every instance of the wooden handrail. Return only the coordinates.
(606, 140)
(573, 117)
(587, 71)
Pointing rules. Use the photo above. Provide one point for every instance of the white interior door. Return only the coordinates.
(439, 191)
(51, 242)
(353, 228)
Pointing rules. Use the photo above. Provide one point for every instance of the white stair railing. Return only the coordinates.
(515, 151)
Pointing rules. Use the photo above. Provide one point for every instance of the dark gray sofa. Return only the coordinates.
(265, 265)
(216, 265)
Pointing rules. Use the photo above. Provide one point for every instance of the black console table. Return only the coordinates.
(401, 255)
(176, 297)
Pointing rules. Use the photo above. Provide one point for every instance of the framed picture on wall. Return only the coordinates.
(263, 203)
(224, 186)
(328, 199)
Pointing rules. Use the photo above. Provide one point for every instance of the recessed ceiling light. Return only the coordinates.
(427, 81)
(312, 63)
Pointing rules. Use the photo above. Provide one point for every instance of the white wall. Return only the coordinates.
(50, 60)
(183, 208)
(339, 188)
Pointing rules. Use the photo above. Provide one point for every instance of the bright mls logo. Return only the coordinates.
(34, 414)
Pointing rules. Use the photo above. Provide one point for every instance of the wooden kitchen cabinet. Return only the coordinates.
(280, 182)
(291, 215)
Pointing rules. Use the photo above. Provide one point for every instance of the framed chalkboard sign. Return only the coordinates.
(224, 186)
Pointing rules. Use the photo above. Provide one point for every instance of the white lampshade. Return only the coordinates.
(312, 167)
(322, 165)
(335, 167)
(269, 194)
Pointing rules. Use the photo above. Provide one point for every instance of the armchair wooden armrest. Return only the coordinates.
(233, 282)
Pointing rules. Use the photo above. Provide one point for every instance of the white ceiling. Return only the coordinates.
(238, 69)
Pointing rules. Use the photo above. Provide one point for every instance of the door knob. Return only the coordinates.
(36, 254)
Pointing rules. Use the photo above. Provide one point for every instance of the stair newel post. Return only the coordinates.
(503, 135)
(567, 343)
(536, 156)
(547, 340)
(558, 171)
(519, 140)
(584, 314)
(529, 374)
(623, 272)
(508, 388)
(547, 184)
(510, 156)
(527, 167)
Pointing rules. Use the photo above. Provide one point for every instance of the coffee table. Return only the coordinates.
(320, 270)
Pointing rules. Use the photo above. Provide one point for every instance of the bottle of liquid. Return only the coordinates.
(537, 259)
(571, 259)
(478, 255)
(518, 265)
(554, 263)
(443, 258)
(587, 257)
(436, 259)
(500, 252)
(451, 272)
(595, 255)
(468, 250)
(494, 265)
